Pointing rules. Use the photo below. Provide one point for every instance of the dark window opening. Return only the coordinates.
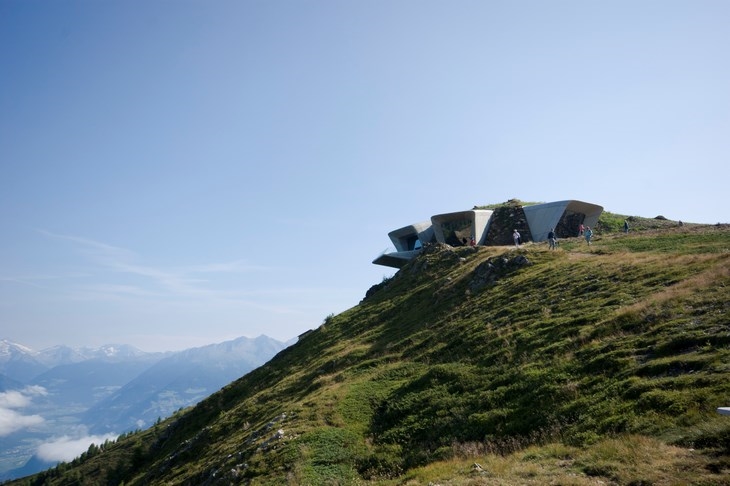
(411, 242)
(457, 232)
(569, 224)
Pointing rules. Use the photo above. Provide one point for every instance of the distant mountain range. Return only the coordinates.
(112, 389)
(178, 381)
(21, 363)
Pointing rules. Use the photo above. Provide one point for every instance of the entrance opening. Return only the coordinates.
(569, 224)
(457, 232)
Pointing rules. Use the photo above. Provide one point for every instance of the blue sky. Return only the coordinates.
(174, 174)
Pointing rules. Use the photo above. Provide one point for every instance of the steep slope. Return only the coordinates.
(471, 352)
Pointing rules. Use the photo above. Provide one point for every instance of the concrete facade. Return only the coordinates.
(457, 229)
(453, 228)
(558, 215)
(411, 237)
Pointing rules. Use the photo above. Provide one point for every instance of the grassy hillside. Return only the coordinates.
(493, 365)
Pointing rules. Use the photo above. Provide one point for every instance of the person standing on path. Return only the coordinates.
(516, 237)
(551, 238)
(587, 234)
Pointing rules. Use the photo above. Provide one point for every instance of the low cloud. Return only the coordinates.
(65, 449)
(12, 420)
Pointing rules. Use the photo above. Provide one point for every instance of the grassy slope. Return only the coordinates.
(590, 364)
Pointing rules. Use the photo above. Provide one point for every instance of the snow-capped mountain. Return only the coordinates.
(61, 355)
(178, 381)
(111, 389)
(22, 363)
(58, 355)
(8, 349)
(19, 362)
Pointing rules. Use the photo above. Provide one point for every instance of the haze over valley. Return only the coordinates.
(57, 401)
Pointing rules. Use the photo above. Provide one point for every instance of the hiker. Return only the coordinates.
(472, 242)
(626, 226)
(580, 229)
(551, 238)
(588, 234)
(518, 239)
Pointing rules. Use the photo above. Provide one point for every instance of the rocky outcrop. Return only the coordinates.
(493, 269)
(506, 219)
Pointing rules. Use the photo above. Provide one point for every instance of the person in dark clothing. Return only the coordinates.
(588, 234)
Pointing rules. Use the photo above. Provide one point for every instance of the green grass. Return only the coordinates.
(589, 364)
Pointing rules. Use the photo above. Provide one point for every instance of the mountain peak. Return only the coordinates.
(10, 351)
(590, 356)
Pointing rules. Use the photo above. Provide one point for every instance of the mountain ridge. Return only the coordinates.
(605, 359)
(20, 362)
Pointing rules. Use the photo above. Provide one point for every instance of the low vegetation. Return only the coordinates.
(488, 365)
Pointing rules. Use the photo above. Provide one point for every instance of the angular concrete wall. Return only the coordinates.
(460, 225)
(396, 259)
(412, 236)
(542, 217)
(592, 211)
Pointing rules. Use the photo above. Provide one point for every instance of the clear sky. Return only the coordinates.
(178, 173)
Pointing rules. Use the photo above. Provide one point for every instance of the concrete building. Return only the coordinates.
(457, 229)
(408, 242)
(564, 216)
